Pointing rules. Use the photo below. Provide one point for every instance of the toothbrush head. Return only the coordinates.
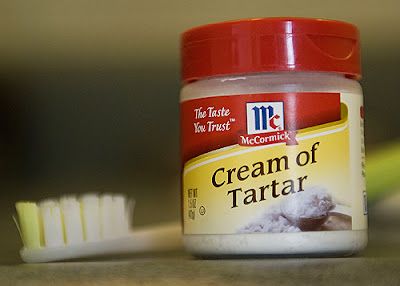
(72, 222)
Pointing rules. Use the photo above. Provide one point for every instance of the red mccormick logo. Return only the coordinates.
(264, 117)
(265, 125)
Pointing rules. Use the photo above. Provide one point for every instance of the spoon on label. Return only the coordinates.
(315, 222)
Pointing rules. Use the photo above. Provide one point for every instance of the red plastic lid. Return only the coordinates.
(270, 45)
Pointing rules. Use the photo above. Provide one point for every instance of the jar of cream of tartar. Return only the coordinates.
(272, 139)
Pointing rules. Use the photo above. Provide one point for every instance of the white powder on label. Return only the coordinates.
(313, 202)
(271, 221)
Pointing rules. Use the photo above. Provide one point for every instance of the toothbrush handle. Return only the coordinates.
(165, 237)
(162, 237)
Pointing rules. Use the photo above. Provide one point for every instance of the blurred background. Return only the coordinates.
(89, 93)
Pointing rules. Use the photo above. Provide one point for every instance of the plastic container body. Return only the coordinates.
(272, 134)
(313, 243)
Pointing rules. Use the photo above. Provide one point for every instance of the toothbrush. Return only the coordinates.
(91, 225)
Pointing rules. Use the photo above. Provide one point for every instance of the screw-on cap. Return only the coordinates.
(270, 45)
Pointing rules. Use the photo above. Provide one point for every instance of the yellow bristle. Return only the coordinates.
(29, 222)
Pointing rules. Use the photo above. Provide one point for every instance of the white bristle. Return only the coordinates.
(106, 217)
(119, 215)
(71, 211)
(130, 207)
(91, 217)
(52, 223)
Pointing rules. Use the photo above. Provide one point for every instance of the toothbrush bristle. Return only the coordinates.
(107, 222)
(73, 229)
(119, 214)
(70, 221)
(29, 224)
(52, 223)
(91, 217)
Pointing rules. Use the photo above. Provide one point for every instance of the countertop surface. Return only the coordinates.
(379, 264)
(182, 270)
